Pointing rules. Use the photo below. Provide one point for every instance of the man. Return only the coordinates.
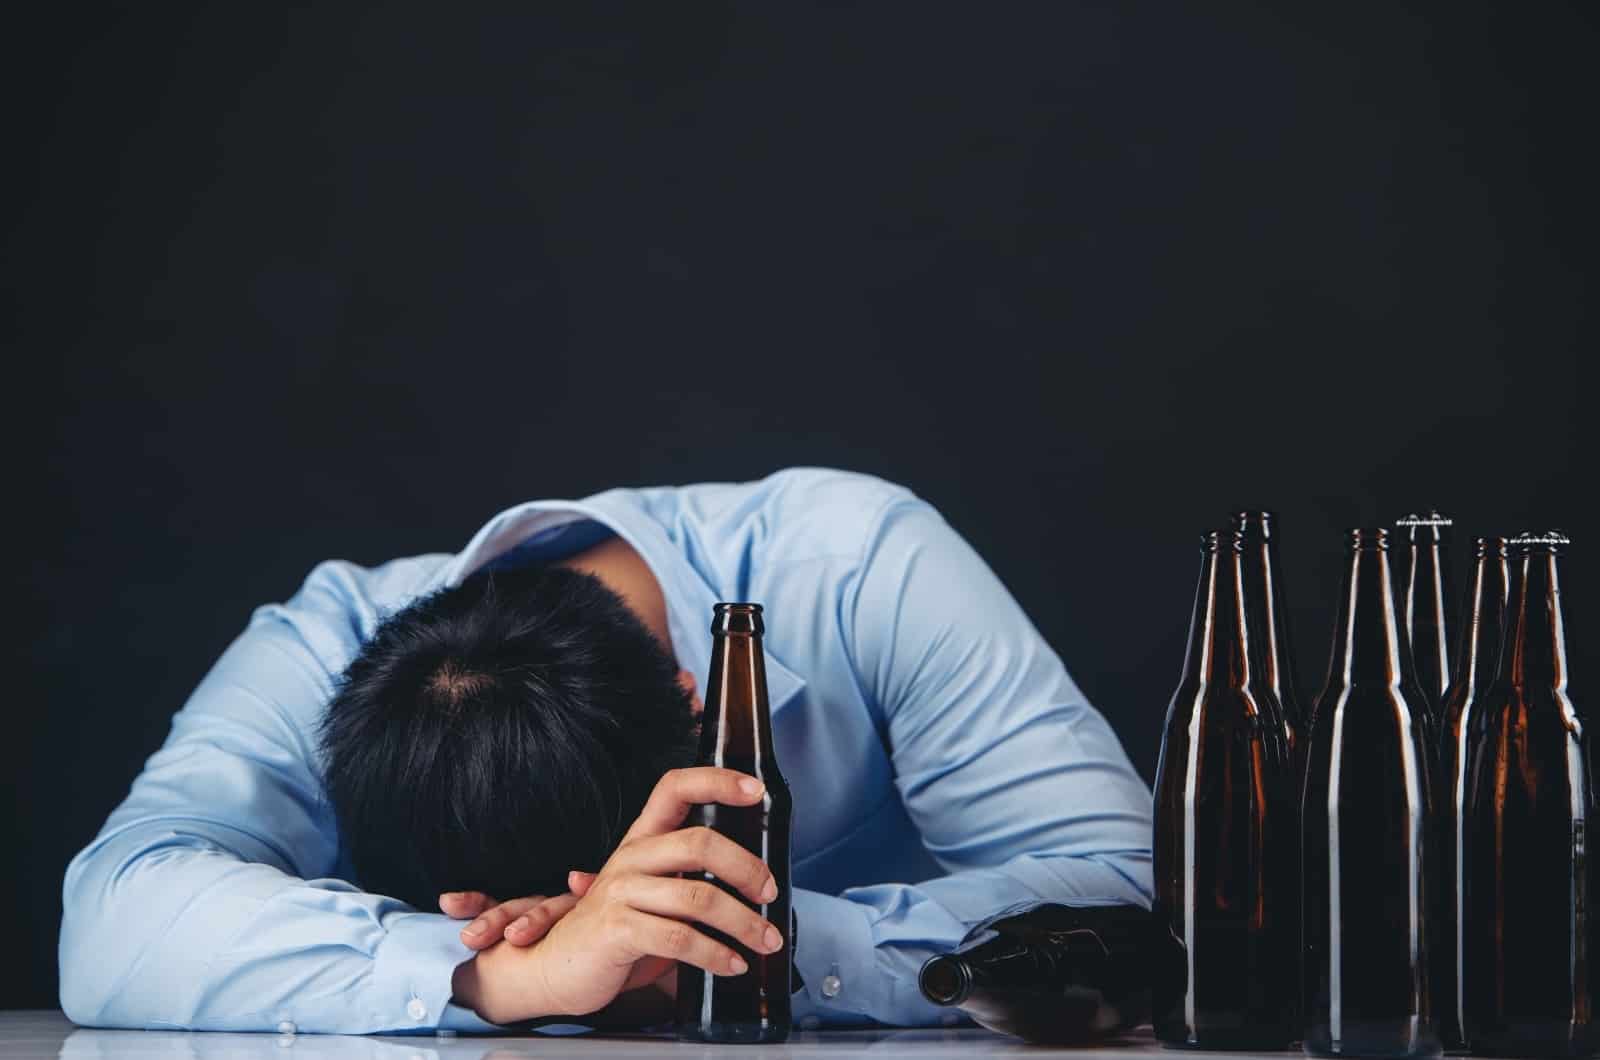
(506, 722)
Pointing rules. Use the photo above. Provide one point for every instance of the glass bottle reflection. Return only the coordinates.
(1476, 657)
(1365, 833)
(1223, 831)
(1527, 965)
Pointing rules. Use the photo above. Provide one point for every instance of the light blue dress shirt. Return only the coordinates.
(944, 766)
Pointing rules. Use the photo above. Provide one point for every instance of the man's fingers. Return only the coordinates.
(490, 926)
(579, 882)
(536, 922)
(699, 850)
(681, 789)
(655, 936)
(460, 905)
(704, 903)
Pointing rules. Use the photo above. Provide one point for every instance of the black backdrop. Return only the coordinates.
(292, 285)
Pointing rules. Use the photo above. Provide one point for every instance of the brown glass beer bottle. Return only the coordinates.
(1426, 593)
(1528, 966)
(1224, 831)
(1054, 974)
(1366, 833)
(736, 733)
(1477, 655)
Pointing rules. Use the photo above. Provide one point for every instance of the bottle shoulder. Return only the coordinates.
(1221, 702)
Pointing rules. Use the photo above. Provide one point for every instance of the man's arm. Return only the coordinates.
(198, 905)
(1018, 786)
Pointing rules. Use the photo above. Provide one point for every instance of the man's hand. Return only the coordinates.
(635, 916)
(521, 921)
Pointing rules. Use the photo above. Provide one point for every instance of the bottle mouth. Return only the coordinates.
(1254, 522)
(1431, 519)
(1370, 538)
(729, 618)
(1491, 546)
(944, 980)
(1213, 541)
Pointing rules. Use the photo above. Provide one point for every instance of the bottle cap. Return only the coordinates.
(1550, 539)
(1431, 519)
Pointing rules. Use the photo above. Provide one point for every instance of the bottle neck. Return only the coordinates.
(1366, 645)
(1535, 652)
(1221, 652)
(1263, 553)
(1425, 608)
(736, 728)
(1483, 617)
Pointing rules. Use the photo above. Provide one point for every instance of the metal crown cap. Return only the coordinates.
(1431, 519)
(1549, 537)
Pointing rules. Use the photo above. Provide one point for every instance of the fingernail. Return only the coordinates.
(770, 891)
(738, 966)
(477, 927)
(774, 940)
(751, 786)
(520, 924)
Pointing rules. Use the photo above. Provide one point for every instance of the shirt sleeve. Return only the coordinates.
(1018, 786)
(205, 903)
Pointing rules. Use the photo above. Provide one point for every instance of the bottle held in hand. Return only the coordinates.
(736, 733)
(1366, 833)
(1476, 658)
(1052, 974)
(1528, 964)
(1224, 828)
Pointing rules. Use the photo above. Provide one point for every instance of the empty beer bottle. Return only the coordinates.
(736, 733)
(1263, 580)
(1051, 973)
(1528, 966)
(1476, 657)
(1426, 581)
(1366, 834)
(1223, 831)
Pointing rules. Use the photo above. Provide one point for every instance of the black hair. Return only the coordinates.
(492, 736)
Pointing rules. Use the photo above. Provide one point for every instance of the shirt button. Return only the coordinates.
(416, 1009)
(830, 986)
(286, 1027)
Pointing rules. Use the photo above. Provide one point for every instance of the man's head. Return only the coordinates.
(492, 736)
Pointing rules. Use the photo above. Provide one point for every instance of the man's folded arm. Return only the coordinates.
(199, 905)
(1018, 786)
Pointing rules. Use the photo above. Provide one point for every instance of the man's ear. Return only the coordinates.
(687, 683)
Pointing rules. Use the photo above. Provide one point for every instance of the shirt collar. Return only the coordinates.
(689, 597)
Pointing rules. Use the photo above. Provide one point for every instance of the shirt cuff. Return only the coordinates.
(836, 956)
(412, 978)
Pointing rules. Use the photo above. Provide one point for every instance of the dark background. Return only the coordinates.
(291, 285)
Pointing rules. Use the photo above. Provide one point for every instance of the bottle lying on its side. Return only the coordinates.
(1051, 973)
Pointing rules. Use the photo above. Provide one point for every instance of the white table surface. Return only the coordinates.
(45, 1033)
